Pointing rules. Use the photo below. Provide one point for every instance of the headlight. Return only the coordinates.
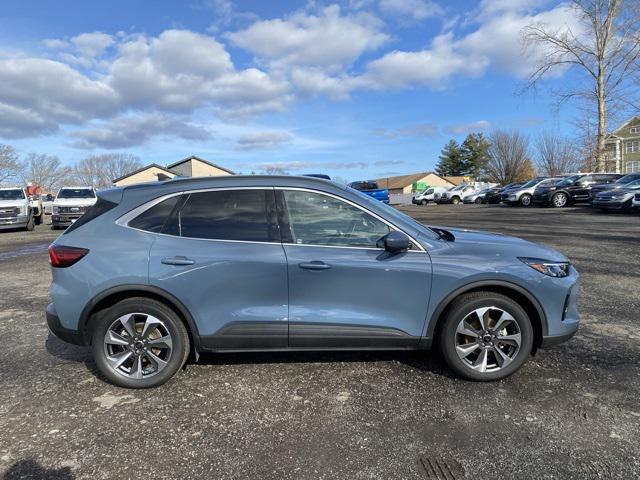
(24, 210)
(54, 209)
(513, 197)
(552, 269)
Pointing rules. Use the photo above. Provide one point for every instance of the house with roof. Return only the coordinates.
(406, 184)
(622, 148)
(189, 167)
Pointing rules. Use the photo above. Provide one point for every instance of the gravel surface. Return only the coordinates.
(573, 411)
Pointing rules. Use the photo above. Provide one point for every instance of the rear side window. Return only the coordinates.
(229, 215)
(154, 219)
(100, 207)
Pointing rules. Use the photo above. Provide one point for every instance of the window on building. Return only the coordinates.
(633, 167)
(632, 146)
(634, 130)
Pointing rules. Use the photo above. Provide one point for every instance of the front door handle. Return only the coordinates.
(179, 260)
(315, 265)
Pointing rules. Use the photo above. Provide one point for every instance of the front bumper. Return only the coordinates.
(610, 205)
(552, 340)
(14, 222)
(63, 219)
(541, 199)
(55, 327)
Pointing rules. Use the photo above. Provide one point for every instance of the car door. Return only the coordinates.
(582, 188)
(220, 255)
(344, 291)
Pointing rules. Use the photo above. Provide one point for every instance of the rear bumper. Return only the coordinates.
(55, 327)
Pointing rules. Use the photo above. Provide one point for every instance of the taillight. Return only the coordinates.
(63, 257)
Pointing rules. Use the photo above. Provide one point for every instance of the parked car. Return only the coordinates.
(70, 204)
(154, 272)
(573, 189)
(47, 203)
(523, 195)
(372, 189)
(495, 194)
(15, 209)
(617, 198)
(480, 196)
(456, 195)
(428, 195)
(622, 182)
(635, 203)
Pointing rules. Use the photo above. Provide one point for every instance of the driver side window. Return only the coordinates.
(317, 219)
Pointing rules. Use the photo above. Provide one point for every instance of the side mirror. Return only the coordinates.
(395, 242)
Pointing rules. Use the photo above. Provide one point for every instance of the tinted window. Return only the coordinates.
(94, 211)
(76, 193)
(154, 219)
(228, 215)
(364, 185)
(317, 219)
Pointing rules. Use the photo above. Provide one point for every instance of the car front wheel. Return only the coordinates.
(455, 200)
(525, 200)
(139, 343)
(478, 200)
(486, 336)
(423, 202)
(559, 200)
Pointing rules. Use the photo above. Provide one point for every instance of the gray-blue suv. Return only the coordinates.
(155, 273)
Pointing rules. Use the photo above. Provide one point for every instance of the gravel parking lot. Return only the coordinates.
(572, 412)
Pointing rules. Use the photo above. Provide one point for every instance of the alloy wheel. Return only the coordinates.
(525, 200)
(138, 345)
(488, 339)
(559, 200)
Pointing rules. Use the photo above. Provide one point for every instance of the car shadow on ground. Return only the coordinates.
(423, 360)
(32, 469)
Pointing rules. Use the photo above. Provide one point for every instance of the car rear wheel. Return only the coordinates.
(485, 336)
(139, 343)
(559, 200)
(525, 200)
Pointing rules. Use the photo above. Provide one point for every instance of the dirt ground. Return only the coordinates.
(573, 411)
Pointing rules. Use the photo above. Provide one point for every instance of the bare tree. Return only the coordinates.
(554, 155)
(100, 170)
(10, 165)
(508, 157)
(45, 171)
(606, 51)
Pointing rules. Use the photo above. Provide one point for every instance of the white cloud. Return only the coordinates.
(415, 10)
(419, 130)
(466, 128)
(130, 130)
(23, 122)
(92, 45)
(263, 140)
(328, 39)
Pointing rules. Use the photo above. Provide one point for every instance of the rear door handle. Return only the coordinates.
(179, 260)
(315, 265)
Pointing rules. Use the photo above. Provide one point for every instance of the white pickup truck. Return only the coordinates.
(15, 210)
(70, 204)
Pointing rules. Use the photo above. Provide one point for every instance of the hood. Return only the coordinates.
(13, 203)
(74, 202)
(502, 245)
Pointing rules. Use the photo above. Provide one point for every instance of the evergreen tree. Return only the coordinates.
(474, 153)
(450, 160)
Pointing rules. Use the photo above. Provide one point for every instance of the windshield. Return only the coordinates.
(635, 184)
(76, 193)
(632, 177)
(14, 194)
(571, 180)
(532, 183)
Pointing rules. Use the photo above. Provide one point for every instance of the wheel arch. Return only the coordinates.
(517, 293)
(113, 295)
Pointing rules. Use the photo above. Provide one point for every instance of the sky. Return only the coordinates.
(354, 88)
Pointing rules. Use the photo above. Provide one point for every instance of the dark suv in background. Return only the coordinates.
(621, 182)
(573, 189)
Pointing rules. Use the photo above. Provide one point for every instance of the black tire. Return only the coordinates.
(478, 201)
(423, 202)
(174, 325)
(559, 200)
(38, 219)
(462, 307)
(455, 200)
(30, 224)
(525, 200)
